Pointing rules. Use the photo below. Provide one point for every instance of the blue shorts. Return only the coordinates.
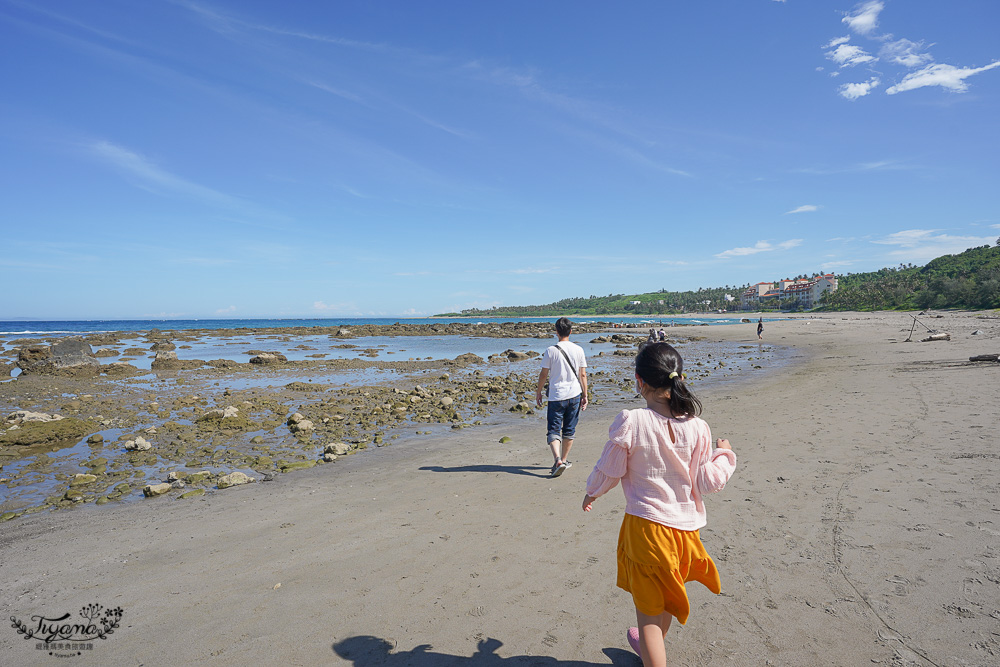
(562, 417)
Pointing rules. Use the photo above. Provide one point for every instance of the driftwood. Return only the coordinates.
(985, 357)
(936, 337)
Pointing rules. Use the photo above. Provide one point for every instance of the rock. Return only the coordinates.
(70, 356)
(193, 493)
(75, 495)
(82, 479)
(301, 426)
(504, 440)
(468, 358)
(140, 444)
(936, 337)
(234, 479)
(297, 465)
(60, 430)
(218, 414)
(446, 401)
(106, 353)
(95, 439)
(177, 484)
(120, 369)
(337, 448)
(163, 345)
(197, 477)
(269, 358)
(21, 416)
(153, 490)
(514, 355)
(522, 406)
(329, 457)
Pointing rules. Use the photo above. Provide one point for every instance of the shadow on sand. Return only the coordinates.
(368, 651)
(510, 470)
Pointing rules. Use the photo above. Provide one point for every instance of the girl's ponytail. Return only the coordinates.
(660, 366)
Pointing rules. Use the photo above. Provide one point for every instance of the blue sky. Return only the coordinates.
(215, 158)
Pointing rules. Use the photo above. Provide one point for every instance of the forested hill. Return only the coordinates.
(970, 279)
(652, 303)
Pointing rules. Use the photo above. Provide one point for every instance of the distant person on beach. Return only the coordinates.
(664, 459)
(564, 365)
(652, 336)
(760, 328)
(662, 335)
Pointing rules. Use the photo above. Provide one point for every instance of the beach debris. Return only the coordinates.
(153, 490)
(70, 356)
(985, 357)
(140, 444)
(936, 337)
(236, 478)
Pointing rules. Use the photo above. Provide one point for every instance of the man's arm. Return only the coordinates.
(583, 384)
(542, 377)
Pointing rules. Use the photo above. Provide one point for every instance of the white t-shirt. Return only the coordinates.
(562, 383)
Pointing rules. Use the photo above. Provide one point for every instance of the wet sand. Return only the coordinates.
(861, 527)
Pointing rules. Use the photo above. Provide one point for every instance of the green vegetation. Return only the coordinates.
(970, 279)
(652, 303)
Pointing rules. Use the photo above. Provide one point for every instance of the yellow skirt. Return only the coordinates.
(654, 563)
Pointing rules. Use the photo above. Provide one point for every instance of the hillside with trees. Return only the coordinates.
(970, 279)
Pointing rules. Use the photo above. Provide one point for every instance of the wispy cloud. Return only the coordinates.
(864, 18)
(948, 77)
(906, 53)
(226, 311)
(878, 165)
(849, 55)
(853, 91)
(147, 175)
(806, 208)
(343, 307)
(926, 244)
(760, 246)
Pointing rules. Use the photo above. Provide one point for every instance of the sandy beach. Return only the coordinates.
(861, 527)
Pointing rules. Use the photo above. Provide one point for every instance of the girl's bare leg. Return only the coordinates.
(652, 632)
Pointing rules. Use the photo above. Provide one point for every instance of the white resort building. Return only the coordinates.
(806, 291)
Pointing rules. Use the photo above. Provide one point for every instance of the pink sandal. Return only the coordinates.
(633, 640)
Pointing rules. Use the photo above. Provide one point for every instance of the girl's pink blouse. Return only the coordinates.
(663, 481)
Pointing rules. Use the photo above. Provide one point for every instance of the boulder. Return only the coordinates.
(266, 358)
(39, 432)
(71, 356)
(468, 358)
(153, 490)
(337, 449)
(140, 444)
(234, 479)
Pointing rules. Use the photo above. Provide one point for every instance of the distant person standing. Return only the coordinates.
(662, 335)
(564, 365)
(760, 328)
(652, 336)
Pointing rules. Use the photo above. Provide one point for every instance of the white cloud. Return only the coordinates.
(865, 17)
(905, 52)
(346, 307)
(226, 311)
(836, 41)
(849, 55)
(807, 208)
(760, 246)
(947, 76)
(926, 244)
(853, 91)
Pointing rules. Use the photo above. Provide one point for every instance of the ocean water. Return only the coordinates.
(21, 328)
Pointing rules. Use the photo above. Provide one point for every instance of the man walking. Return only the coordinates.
(565, 367)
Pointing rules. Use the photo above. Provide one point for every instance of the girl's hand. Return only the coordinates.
(588, 501)
(722, 443)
